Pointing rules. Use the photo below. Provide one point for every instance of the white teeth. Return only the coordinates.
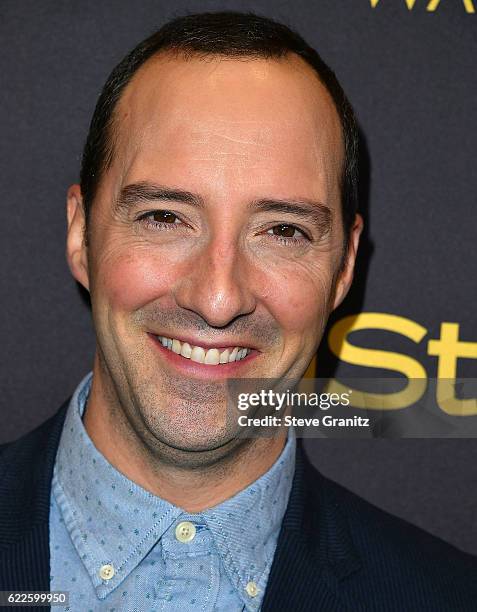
(186, 350)
(212, 357)
(200, 355)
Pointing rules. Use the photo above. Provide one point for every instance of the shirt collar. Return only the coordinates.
(245, 527)
(112, 520)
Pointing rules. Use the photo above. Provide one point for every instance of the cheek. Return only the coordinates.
(299, 298)
(135, 277)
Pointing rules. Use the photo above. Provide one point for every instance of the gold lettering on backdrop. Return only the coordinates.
(409, 367)
(431, 5)
(448, 349)
(468, 5)
(410, 3)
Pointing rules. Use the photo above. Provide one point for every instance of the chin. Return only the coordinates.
(196, 452)
(187, 424)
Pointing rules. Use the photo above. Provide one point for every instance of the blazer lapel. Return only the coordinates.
(26, 468)
(314, 550)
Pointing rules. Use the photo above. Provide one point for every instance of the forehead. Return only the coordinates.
(255, 121)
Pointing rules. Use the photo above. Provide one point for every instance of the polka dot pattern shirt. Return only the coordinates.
(116, 547)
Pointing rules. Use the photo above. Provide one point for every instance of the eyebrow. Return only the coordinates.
(137, 193)
(317, 212)
(313, 210)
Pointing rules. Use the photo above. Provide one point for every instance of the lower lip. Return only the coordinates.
(202, 370)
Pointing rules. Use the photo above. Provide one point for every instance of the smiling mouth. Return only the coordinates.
(199, 354)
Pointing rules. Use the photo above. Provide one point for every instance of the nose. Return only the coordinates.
(217, 284)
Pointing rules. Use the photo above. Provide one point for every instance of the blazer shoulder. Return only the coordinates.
(373, 523)
(36, 436)
(26, 469)
(23, 460)
(396, 554)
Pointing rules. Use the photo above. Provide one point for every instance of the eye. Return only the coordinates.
(284, 230)
(163, 216)
(286, 234)
(160, 219)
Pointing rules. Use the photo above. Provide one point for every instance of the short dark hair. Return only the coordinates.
(227, 34)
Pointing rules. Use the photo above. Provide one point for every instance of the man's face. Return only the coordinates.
(218, 227)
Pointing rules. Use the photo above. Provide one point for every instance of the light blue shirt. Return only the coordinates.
(116, 547)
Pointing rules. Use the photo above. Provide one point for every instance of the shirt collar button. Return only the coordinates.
(252, 589)
(106, 572)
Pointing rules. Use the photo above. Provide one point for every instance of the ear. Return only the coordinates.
(76, 249)
(346, 274)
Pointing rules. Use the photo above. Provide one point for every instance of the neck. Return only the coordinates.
(192, 488)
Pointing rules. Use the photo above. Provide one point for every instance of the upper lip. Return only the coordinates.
(224, 343)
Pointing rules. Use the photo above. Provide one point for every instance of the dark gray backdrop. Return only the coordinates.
(411, 77)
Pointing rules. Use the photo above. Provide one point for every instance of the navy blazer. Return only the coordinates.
(335, 551)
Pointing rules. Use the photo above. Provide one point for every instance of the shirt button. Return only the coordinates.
(185, 531)
(252, 589)
(106, 571)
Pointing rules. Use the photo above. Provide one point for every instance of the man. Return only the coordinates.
(215, 228)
